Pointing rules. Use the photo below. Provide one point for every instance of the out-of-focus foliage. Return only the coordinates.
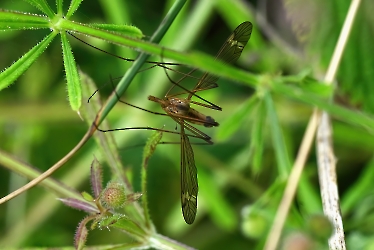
(257, 141)
(317, 25)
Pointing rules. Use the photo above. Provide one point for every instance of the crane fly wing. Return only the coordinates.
(189, 186)
(229, 53)
(234, 45)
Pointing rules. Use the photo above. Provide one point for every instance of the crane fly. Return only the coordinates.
(179, 109)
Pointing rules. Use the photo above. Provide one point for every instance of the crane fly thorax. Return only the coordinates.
(178, 106)
(181, 107)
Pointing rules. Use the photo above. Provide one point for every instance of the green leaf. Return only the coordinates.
(81, 234)
(96, 178)
(129, 226)
(59, 4)
(86, 205)
(87, 196)
(150, 147)
(74, 4)
(9, 75)
(257, 136)
(356, 72)
(283, 162)
(309, 84)
(360, 190)
(220, 210)
(148, 151)
(72, 76)
(126, 30)
(12, 20)
(43, 6)
(308, 196)
(232, 123)
(347, 115)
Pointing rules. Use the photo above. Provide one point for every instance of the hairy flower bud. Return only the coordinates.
(113, 196)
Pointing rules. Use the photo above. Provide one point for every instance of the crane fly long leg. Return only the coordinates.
(189, 185)
(197, 133)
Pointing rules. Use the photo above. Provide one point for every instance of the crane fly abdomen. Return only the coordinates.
(201, 119)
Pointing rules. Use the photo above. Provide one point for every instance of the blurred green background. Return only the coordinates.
(38, 127)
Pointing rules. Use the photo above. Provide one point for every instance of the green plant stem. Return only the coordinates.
(29, 172)
(349, 116)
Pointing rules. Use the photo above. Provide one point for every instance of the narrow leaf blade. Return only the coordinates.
(79, 205)
(232, 124)
(12, 20)
(283, 161)
(81, 234)
(43, 6)
(96, 178)
(257, 138)
(9, 75)
(220, 210)
(72, 76)
(126, 30)
(74, 4)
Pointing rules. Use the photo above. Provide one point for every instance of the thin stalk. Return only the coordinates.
(280, 218)
(325, 151)
(50, 171)
(130, 74)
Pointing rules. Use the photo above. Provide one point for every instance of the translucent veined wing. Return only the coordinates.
(229, 53)
(189, 185)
